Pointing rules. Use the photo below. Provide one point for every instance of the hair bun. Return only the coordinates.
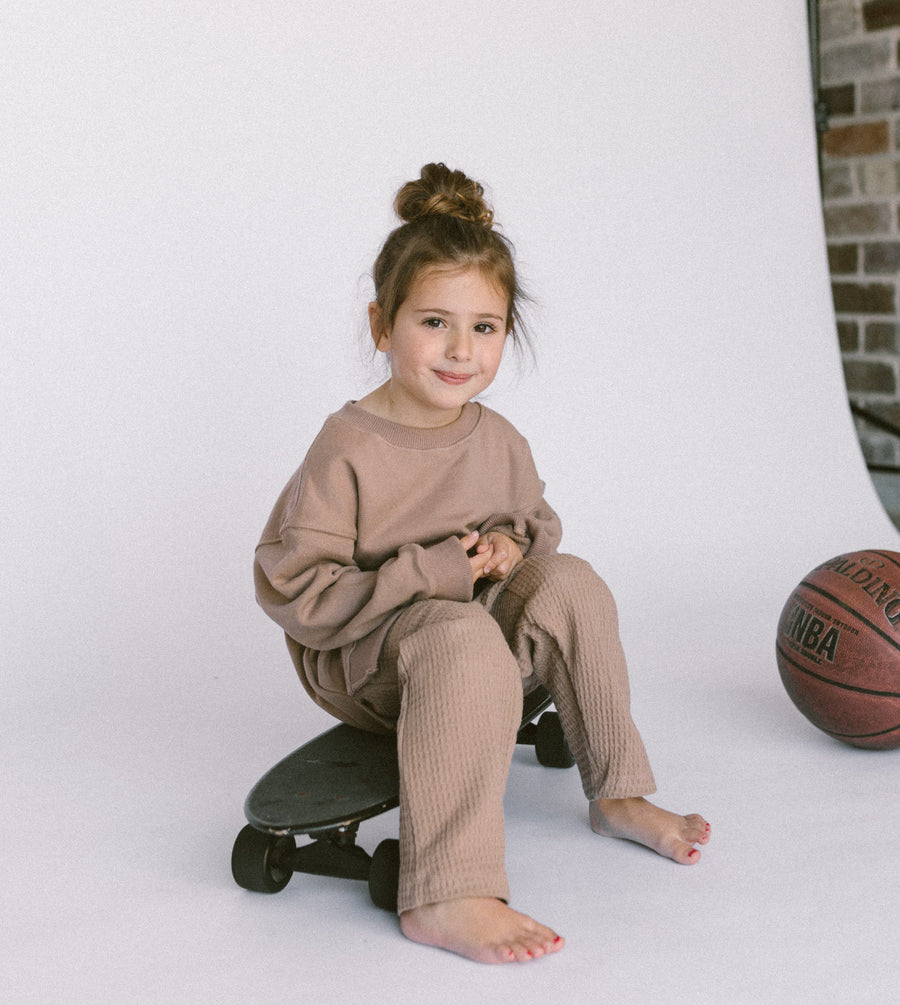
(442, 192)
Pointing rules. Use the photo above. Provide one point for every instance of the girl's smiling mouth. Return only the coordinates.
(449, 377)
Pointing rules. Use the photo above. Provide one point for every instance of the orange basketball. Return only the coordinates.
(838, 648)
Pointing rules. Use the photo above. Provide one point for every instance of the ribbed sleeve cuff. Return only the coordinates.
(449, 570)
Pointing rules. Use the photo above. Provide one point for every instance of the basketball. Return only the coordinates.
(838, 648)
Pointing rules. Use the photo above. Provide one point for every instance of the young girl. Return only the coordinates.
(412, 564)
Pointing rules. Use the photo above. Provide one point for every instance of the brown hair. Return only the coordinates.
(446, 221)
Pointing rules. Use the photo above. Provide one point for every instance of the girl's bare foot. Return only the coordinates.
(480, 928)
(667, 833)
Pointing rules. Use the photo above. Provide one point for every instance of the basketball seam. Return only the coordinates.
(862, 736)
(853, 611)
(887, 556)
(836, 683)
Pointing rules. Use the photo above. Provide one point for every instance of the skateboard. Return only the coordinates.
(328, 787)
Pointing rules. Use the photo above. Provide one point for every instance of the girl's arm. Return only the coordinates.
(529, 522)
(308, 583)
(536, 530)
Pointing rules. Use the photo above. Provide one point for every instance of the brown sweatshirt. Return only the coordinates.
(371, 522)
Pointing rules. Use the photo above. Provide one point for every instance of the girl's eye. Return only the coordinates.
(434, 322)
(485, 328)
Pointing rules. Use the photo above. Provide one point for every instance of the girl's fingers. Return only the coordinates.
(481, 558)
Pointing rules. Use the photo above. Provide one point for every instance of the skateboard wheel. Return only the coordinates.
(384, 875)
(255, 861)
(550, 744)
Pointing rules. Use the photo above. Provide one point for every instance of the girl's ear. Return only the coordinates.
(380, 335)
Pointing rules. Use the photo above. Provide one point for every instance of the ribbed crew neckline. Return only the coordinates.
(412, 437)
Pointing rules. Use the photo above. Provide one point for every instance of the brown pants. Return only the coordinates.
(452, 675)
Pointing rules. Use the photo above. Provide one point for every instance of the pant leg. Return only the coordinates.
(448, 675)
(561, 623)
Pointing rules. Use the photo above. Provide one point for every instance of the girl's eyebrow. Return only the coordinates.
(442, 310)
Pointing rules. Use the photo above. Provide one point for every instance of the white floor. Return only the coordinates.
(117, 837)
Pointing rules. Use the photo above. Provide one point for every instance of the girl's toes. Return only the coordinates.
(697, 831)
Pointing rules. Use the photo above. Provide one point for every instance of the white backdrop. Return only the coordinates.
(192, 196)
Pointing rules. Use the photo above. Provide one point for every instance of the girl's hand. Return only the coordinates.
(483, 552)
(505, 555)
(496, 555)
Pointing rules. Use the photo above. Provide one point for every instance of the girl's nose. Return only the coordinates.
(459, 346)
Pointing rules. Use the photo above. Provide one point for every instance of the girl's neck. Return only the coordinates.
(382, 402)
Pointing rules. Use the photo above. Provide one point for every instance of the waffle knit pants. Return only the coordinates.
(453, 674)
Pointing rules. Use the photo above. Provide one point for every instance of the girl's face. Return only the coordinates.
(445, 345)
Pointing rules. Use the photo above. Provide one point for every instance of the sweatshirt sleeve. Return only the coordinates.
(536, 530)
(531, 522)
(307, 579)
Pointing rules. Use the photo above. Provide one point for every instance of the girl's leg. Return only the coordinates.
(561, 623)
(460, 702)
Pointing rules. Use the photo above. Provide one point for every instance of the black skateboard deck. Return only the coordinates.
(342, 776)
(328, 787)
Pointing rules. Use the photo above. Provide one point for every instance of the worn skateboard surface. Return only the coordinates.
(343, 775)
(328, 787)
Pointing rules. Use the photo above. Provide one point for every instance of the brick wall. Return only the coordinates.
(859, 74)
